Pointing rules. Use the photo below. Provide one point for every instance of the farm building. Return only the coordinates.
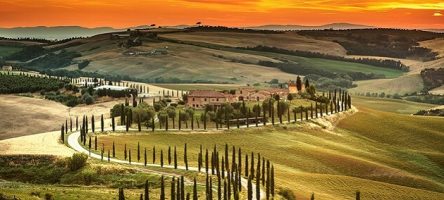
(7, 68)
(201, 98)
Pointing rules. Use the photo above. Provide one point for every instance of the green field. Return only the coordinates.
(391, 105)
(384, 155)
(8, 50)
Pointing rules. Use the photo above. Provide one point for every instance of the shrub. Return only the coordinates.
(48, 196)
(287, 194)
(88, 99)
(77, 161)
(83, 64)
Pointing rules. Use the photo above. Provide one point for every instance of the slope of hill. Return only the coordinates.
(289, 41)
(334, 26)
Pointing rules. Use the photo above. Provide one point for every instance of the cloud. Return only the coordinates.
(437, 14)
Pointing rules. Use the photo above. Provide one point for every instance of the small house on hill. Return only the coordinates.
(7, 68)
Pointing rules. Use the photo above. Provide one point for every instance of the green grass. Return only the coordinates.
(334, 65)
(391, 105)
(8, 50)
(385, 155)
(320, 63)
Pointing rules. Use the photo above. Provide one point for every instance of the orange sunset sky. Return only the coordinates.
(125, 13)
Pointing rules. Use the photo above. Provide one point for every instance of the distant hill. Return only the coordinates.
(335, 26)
(53, 33)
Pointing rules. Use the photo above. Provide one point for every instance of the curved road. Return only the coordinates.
(73, 142)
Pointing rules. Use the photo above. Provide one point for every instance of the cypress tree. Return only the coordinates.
(288, 114)
(182, 187)
(258, 188)
(109, 158)
(166, 123)
(199, 161)
(239, 160)
(267, 186)
(62, 134)
(153, 125)
(185, 156)
(141, 197)
(263, 172)
(144, 158)
(169, 155)
(205, 120)
(162, 189)
(154, 154)
(147, 192)
(121, 194)
(173, 188)
(302, 110)
(138, 151)
(70, 124)
(272, 181)
(178, 196)
(93, 123)
(252, 165)
(210, 188)
(226, 157)
(225, 190)
(138, 123)
(77, 123)
(206, 161)
(312, 196)
(358, 195)
(175, 158)
(223, 167)
(113, 123)
(89, 143)
(258, 169)
(66, 126)
(229, 184)
(114, 150)
(246, 165)
(249, 189)
(306, 114)
(102, 123)
(311, 110)
(95, 142)
(161, 158)
(188, 196)
(129, 156)
(219, 189)
(194, 189)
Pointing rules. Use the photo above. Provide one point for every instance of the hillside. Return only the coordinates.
(224, 55)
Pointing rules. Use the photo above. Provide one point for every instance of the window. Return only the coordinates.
(217, 99)
(193, 99)
(205, 99)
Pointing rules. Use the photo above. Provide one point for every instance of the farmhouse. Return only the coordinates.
(201, 98)
(7, 68)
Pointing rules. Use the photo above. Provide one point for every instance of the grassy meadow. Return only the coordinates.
(8, 50)
(385, 155)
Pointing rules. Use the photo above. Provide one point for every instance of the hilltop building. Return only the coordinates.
(201, 98)
(7, 68)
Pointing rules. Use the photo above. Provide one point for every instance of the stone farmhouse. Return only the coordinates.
(200, 98)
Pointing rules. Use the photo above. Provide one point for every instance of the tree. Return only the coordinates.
(312, 196)
(173, 189)
(175, 158)
(185, 157)
(121, 194)
(298, 83)
(358, 195)
(312, 91)
(250, 189)
(171, 111)
(102, 123)
(307, 83)
(147, 195)
(114, 150)
(162, 189)
(194, 189)
(290, 97)
(138, 151)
